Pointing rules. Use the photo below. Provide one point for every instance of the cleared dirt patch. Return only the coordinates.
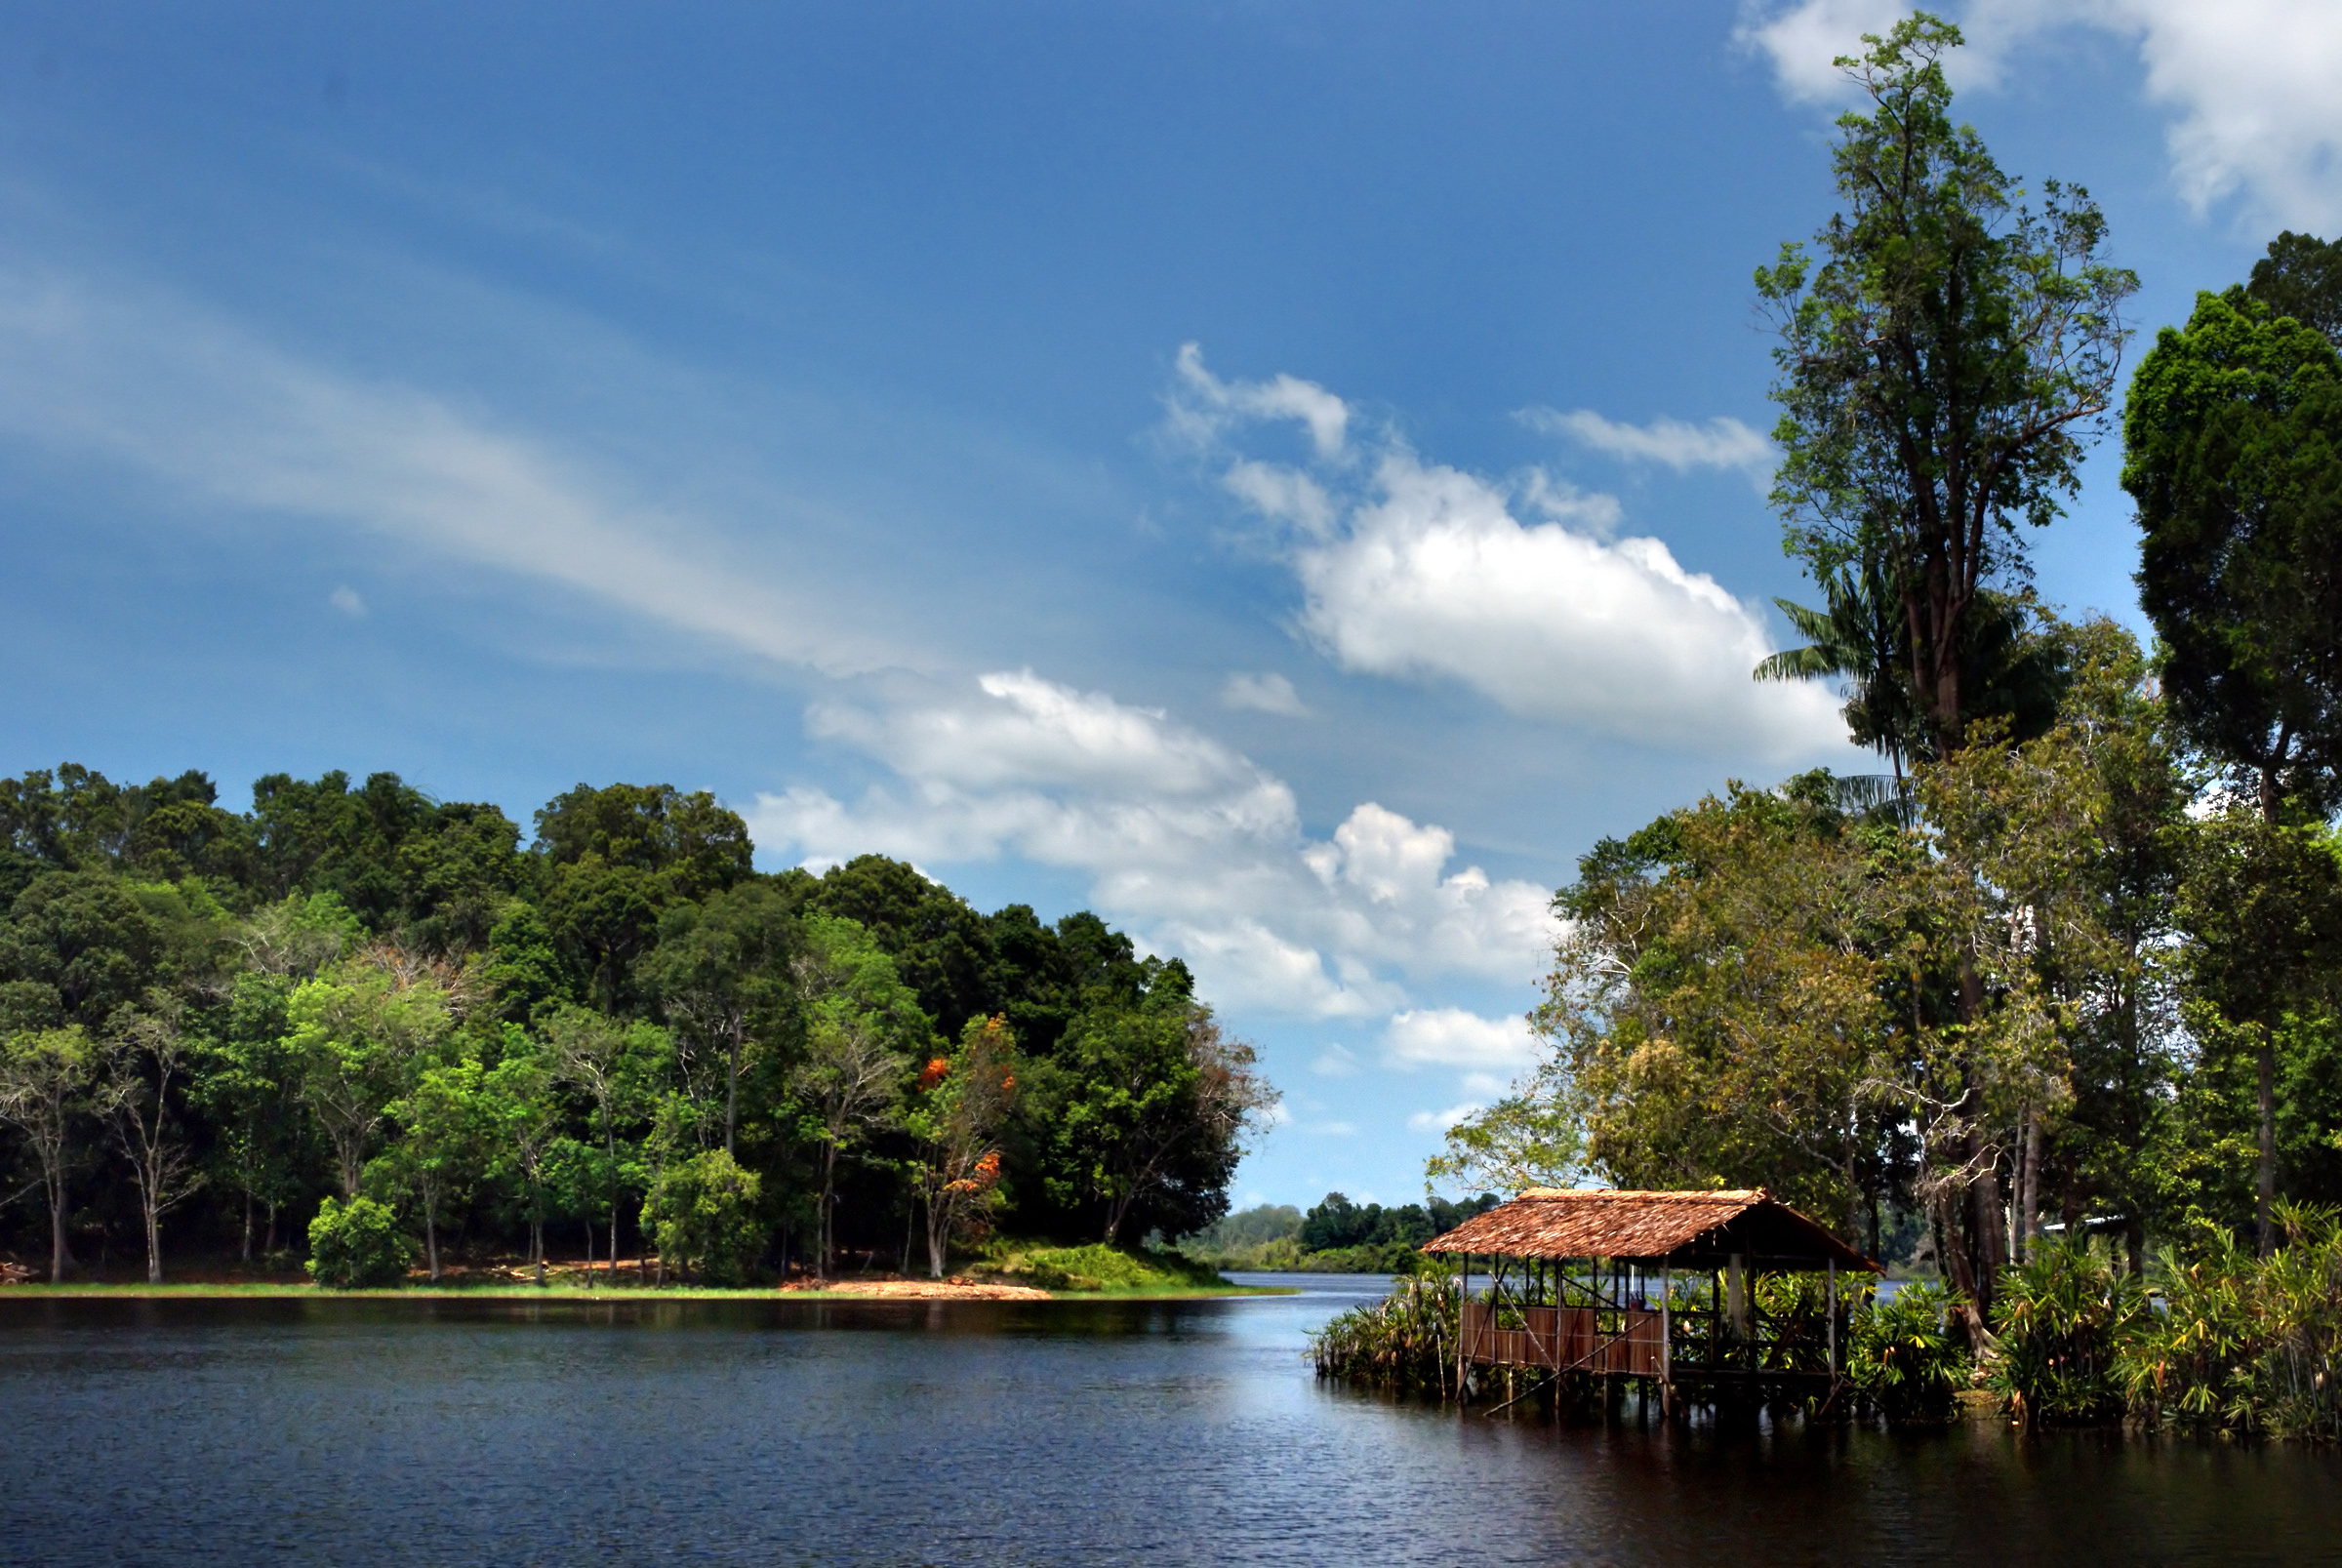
(959, 1290)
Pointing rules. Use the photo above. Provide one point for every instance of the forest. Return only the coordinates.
(366, 1028)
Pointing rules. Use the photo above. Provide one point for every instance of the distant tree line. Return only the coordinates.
(1335, 1236)
(357, 1015)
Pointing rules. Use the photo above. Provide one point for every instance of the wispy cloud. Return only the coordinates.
(1720, 443)
(1439, 1121)
(148, 383)
(1264, 694)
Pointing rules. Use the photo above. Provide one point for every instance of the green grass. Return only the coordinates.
(1101, 1271)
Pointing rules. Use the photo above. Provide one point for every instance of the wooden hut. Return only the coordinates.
(1656, 1286)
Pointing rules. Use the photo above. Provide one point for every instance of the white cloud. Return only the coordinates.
(1209, 403)
(152, 383)
(1264, 694)
(1720, 443)
(1192, 845)
(1452, 1037)
(345, 599)
(1439, 1121)
(1413, 570)
(2250, 83)
(1433, 576)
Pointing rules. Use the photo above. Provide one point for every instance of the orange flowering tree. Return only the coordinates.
(957, 1108)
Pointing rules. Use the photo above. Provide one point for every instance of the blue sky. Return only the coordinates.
(1283, 474)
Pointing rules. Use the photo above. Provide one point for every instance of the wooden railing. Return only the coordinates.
(1567, 1339)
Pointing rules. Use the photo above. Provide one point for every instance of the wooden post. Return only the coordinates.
(1667, 1345)
(1834, 1320)
(1463, 1329)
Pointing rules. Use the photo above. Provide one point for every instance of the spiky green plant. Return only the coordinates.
(1906, 1357)
(2246, 1346)
(2062, 1318)
(1407, 1340)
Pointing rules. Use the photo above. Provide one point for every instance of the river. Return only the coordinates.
(447, 1432)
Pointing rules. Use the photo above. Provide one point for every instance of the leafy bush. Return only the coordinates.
(1405, 1340)
(1906, 1357)
(2062, 1320)
(1101, 1268)
(2246, 1344)
(357, 1245)
(701, 1213)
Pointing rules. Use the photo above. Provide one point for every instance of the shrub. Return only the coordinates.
(357, 1245)
(701, 1213)
(1101, 1268)
(2062, 1320)
(1906, 1357)
(2246, 1344)
(1405, 1340)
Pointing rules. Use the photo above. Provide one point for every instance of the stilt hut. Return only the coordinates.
(1658, 1287)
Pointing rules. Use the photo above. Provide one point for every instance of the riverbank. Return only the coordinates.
(875, 1290)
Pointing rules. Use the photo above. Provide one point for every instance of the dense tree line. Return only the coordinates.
(2075, 963)
(357, 1014)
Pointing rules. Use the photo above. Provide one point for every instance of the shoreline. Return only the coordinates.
(566, 1293)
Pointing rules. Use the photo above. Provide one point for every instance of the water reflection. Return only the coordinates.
(423, 1431)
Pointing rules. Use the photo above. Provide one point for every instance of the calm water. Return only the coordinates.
(783, 1432)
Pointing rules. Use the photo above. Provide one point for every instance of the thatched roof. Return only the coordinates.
(1688, 1229)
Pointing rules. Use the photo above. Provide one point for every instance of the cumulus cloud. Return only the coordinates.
(1720, 443)
(1452, 1037)
(1416, 569)
(2249, 83)
(1192, 845)
(157, 387)
(345, 599)
(1264, 694)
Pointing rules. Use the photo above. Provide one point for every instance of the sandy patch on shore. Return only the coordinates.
(958, 1290)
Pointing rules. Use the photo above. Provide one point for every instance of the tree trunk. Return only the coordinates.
(820, 1267)
(939, 1233)
(2264, 1194)
(732, 1090)
(2029, 1189)
(245, 1255)
(610, 1144)
(57, 1256)
(537, 1245)
(155, 1242)
(430, 1235)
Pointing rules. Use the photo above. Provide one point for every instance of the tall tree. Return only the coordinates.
(146, 1067)
(359, 1037)
(2301, 277)
(44, 1076)
(1944, 353)
(722, 972)
(864, 1030)
(618, 1068)
(2233, 455)
(956, 1115)
(1162, 1101)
